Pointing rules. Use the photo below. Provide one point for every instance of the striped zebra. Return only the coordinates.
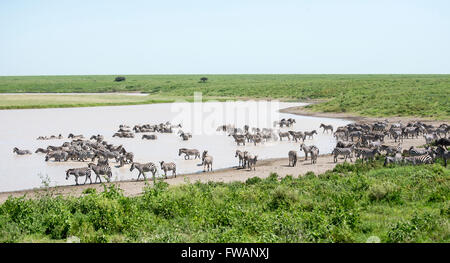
(326, 128)
(21, 152)
(369, 154)
(188, 153)
(307, 149)
(346, 152)
(441, 152)
(240, 155)
(310, 134)
(391, 149)
(284, 134)
(417, 152)
(297, 135)
(314, 154)
(77, 172)
(292, 158)
(393, 159)
(100, 170)
(421, 159)
(169, 167)
(207, 161)
(143, 168)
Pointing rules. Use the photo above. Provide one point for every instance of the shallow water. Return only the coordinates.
(20, 128)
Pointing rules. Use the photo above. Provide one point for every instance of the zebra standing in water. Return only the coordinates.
(143, 168)
(77, 172)
(326, 127)
(188, 153)
(310, 134)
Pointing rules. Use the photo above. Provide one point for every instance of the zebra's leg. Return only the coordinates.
(85, 179)
(76, 179)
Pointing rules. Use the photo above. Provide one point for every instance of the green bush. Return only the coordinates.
(349, 204)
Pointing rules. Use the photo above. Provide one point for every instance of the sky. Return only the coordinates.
(99, 37)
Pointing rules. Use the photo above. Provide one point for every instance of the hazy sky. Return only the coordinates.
(65, 37)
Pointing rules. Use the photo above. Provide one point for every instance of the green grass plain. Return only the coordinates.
(352, 203)
(367, 95)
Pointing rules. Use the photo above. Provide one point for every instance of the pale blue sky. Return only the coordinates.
(76, 37)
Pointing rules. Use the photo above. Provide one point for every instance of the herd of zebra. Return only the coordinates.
(96, 148)
(362, 140)
(366, 141)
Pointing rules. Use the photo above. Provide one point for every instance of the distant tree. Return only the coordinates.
(203, 79)
(119, 79)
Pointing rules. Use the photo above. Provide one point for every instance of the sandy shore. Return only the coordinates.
(263, 168)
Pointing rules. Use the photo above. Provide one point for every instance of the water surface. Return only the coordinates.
(20, 128)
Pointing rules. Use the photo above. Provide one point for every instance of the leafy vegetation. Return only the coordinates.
(352, 203)
(370, 95)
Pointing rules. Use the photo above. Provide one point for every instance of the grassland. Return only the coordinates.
(348, 204)
(366, 95)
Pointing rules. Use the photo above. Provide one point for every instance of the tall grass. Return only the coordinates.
(349, 204)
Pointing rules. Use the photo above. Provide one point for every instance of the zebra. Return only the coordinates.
(310, 134)
(306, 149)
(185, 136)
(413, 131)
(207, 161)
(168, 167)
(354, 134)
(416, 152)
(391, 149)
(77, 172)
(99, 170)
(72, 136)
(292, 158)
(239, 140)
(326, 127)
(347, 152)
(394, 159)
(188, 153)
(441, 131)
(429, 138)
(367, 154)
(57, 155)
(420, 159)
(297, 135)
(143, 168)
(250, 160)
(284, 134)
(240, 155)
(40, 150)
(314, 154)
(21, 152)
(342, 144)
(441, 152)
(397, 135)
(149, 137)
